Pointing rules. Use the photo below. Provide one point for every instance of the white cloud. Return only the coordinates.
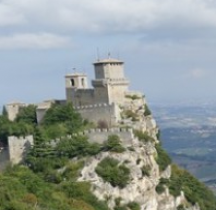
(33, 41)
(9, 15)
(156, 20)
(197, 73)
(110, 15)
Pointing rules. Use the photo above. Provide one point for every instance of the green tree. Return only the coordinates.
(63, 114)
(4, 112)
(27, 115)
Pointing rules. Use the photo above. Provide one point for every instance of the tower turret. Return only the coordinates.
(110, 81)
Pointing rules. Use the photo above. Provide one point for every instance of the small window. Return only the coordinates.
(72, 82)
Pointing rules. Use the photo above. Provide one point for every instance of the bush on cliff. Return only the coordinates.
(113, 172)
(162, 159)
(113, 144)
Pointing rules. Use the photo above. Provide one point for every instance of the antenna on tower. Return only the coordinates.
(74, 70)
(109, 55)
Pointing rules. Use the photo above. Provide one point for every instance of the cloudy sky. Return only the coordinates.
(169, 46)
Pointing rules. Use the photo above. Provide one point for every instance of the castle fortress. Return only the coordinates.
(100, 103)
(109, 85)
(108, 101)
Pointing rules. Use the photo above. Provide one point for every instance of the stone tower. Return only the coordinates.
(73, 82)
(110, 84)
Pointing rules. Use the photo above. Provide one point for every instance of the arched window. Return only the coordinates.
(72, 82)
(83, 82)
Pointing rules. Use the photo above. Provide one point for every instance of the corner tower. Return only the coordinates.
(110, 84)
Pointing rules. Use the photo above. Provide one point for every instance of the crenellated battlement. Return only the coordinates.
(94, 106)
(126, 135)
(107, 130)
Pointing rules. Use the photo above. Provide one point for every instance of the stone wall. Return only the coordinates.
(109, 113)
(18, 147)
(80, 97)
(101, 135)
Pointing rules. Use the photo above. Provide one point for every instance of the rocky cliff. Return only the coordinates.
(141, 157)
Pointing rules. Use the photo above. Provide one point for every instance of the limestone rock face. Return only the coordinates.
(140, 188)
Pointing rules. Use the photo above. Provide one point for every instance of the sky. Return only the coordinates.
(169, 46)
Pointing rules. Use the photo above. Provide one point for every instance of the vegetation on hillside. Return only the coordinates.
(47, 179)
(195, 191)
(162, 159)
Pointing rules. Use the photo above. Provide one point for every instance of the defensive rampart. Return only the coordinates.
(101, 135)
(109, 113)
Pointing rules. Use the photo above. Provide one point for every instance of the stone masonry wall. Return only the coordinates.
(110, 113)
(101, 135)
(18, 146)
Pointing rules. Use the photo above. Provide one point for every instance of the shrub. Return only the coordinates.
(120, 208)
(30, 199)
(133, 97)
(158, 135)
(72, 170)
(181, 207)
(110, 170)
(118, 201)
(162, 159)
(130, 114)
(146, 170)
(160, 188)
(113, 144)
(143, 136)
(129, 206)
(134, 206)
(147, 111)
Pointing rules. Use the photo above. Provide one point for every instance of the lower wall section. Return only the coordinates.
(100, 136)
(109, 113)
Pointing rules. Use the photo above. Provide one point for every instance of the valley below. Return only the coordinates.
(188, 133)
